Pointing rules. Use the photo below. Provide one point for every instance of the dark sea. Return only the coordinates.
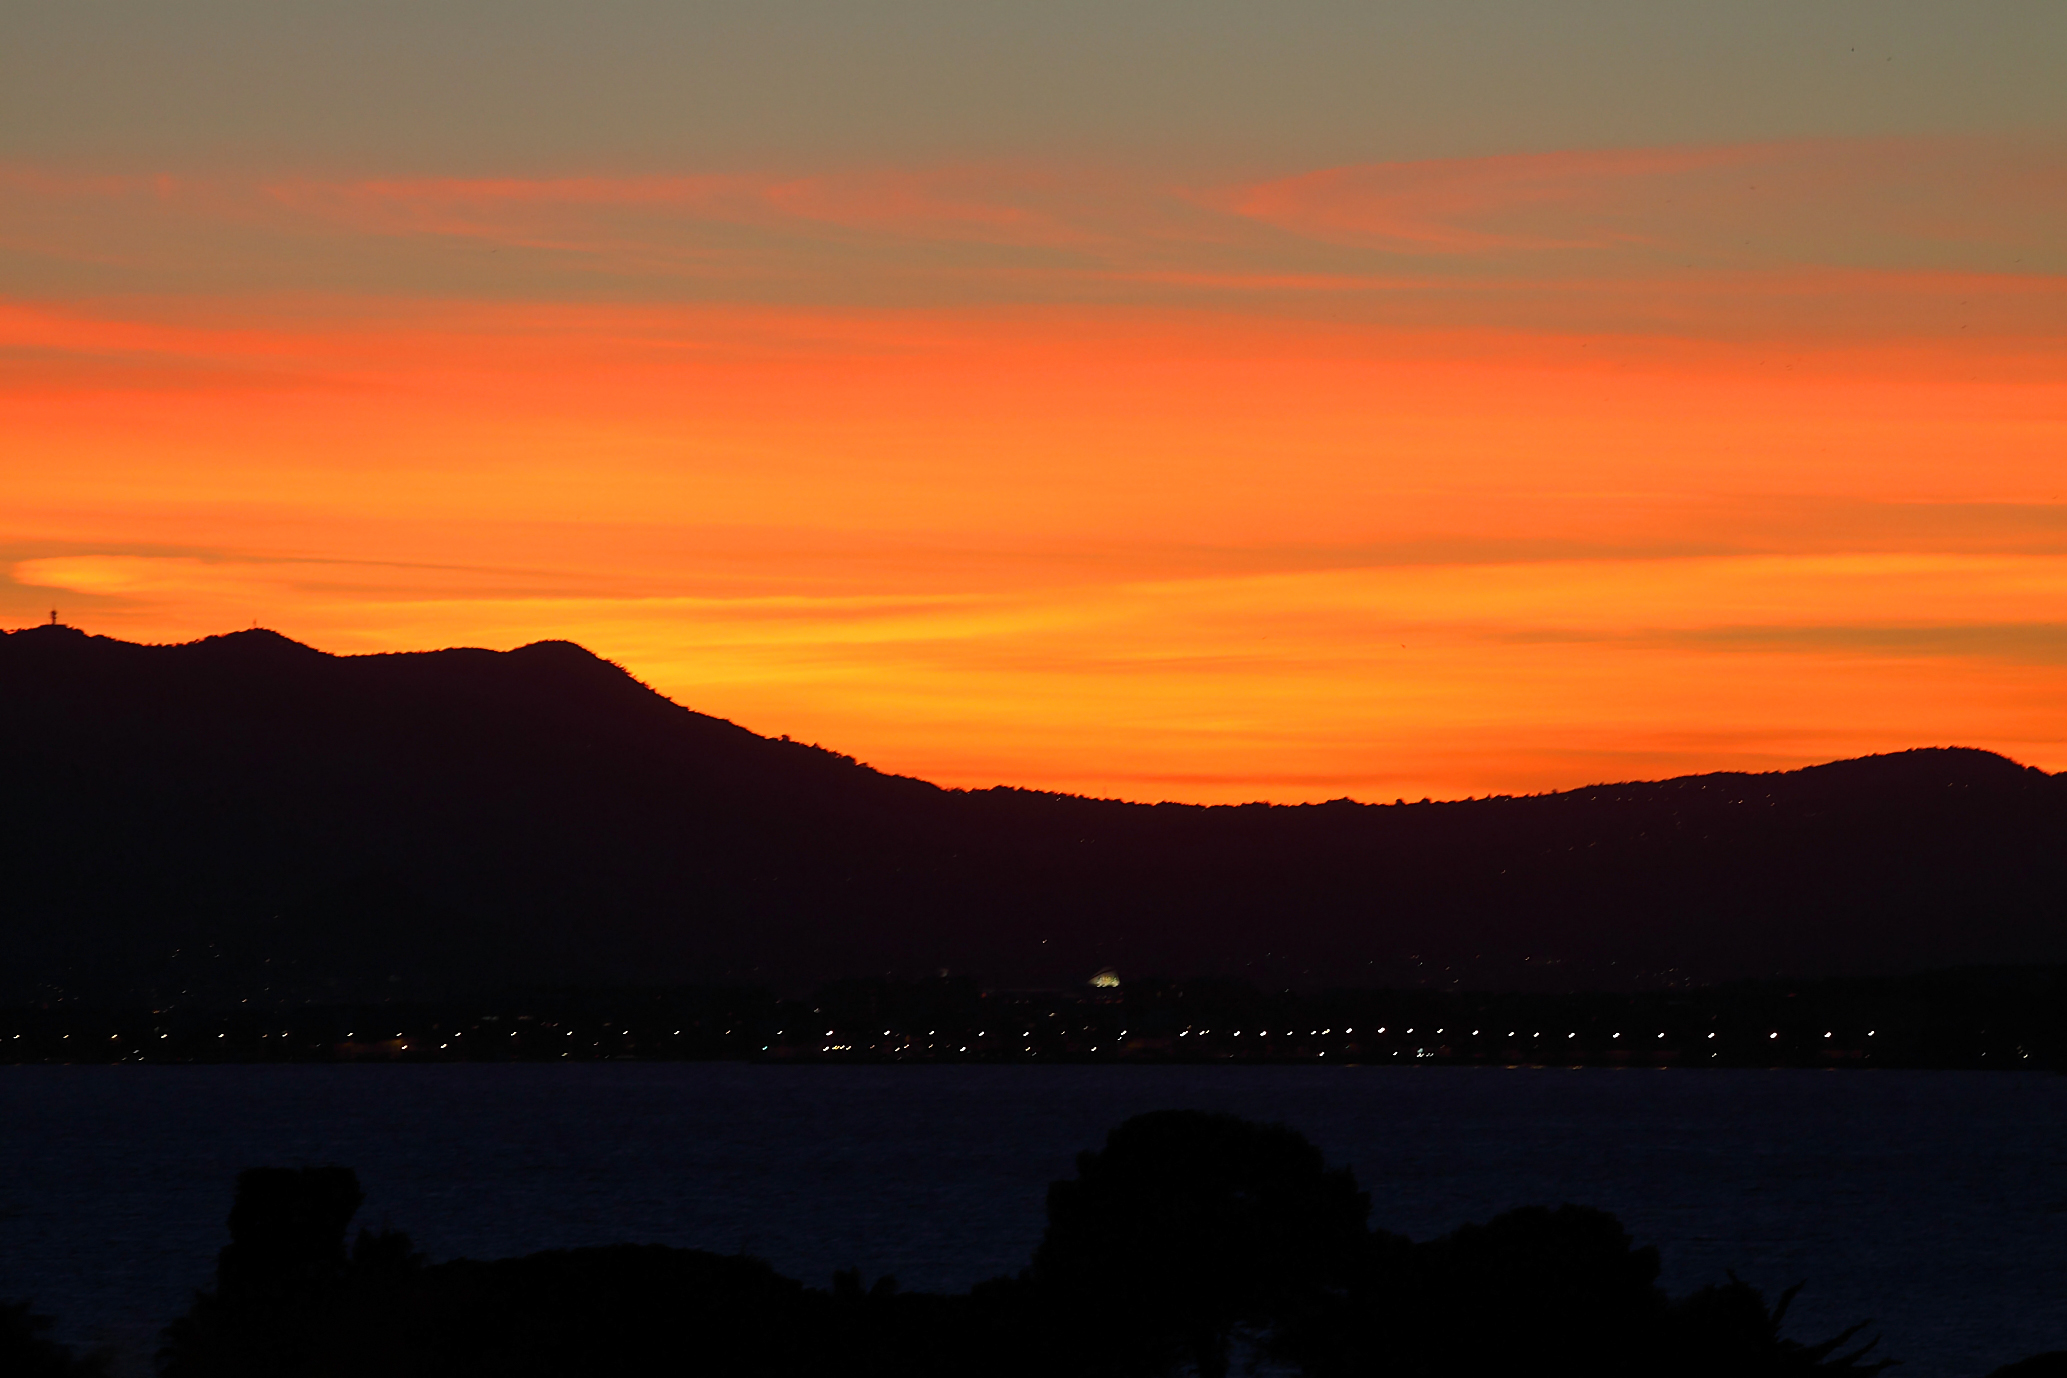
(1935, 1202)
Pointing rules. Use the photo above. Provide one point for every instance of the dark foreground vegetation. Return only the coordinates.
(1192, 1243)
(1988, 1018)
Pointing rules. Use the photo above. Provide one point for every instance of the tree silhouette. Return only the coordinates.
(2052, 1364)
(280, 1272)
(1190, 1231)
(1728, 1330)
(1189, 1239)
(27, 1351)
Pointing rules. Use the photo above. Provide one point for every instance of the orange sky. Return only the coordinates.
(1427, 477)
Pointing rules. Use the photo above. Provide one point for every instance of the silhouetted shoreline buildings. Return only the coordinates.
(1995, 1019)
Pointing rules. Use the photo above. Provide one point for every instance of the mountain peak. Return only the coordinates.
(1935, 763)
(537, 814)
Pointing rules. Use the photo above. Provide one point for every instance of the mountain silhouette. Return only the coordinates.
(245, 814)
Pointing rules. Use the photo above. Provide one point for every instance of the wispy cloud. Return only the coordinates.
(1442, 477)
(1457, 206)
(1674, 233)
(2019, 643)
(1892, 203)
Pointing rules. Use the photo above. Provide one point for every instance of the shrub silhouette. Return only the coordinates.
(274, 1281)
(1189, 1232)
(620, 1310)
(1533, 1282)
(27, 1351)
(1728, 1330)
(2052, 1364)
(1187, 1241)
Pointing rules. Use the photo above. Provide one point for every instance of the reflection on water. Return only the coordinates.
(1935, 1201)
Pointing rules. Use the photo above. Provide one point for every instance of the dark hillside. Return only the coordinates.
(244, 813)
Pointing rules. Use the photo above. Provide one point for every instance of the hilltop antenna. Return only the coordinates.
(53, 617)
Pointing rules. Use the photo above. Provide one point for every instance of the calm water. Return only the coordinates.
(1934, 1201)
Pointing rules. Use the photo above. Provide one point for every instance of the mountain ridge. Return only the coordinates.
(424, 819)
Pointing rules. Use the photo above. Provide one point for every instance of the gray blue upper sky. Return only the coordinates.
(469, 86)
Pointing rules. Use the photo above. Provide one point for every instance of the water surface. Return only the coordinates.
(1935, 1201)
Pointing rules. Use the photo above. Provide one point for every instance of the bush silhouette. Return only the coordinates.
(27, 1351)
(1533, 1282)
(1188, 1241)
(274, 1281)
(1728, 1330)
(2052, 1364)
(1189, 1232)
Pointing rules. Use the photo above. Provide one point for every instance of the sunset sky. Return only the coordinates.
(1168, 400)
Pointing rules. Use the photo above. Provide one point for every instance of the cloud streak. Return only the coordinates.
(1446, 477)
(1519, 240)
